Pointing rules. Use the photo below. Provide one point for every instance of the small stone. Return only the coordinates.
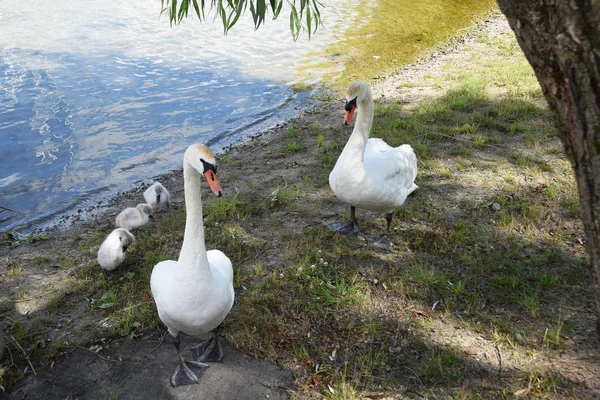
(519, 337)
(495, 206)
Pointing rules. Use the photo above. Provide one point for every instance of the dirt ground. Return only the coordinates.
(139, 369)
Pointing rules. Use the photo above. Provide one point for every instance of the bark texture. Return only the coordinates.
(561, 40)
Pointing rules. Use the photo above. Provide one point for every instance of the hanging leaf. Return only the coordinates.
(276, 13)
(304, 14)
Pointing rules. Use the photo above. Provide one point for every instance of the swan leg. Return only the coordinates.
(388, 218)
(209, 351)
(183, 374)
(383, 242)
(348, 227)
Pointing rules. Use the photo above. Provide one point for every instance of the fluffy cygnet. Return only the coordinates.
(134, 217)
(157, 196)
(112, 250)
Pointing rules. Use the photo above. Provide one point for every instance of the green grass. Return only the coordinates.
(13, 272)
(291, 147)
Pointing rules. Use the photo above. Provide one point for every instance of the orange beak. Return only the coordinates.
(349, 114)
(213, 182)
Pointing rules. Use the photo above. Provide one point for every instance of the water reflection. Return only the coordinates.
(97, 125)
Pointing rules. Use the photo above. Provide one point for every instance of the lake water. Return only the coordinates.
(96, 96)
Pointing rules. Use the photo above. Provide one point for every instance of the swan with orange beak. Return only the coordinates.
(194, 294)
(369, 174)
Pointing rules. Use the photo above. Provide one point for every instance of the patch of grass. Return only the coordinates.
(39, 260)
(21, 292)
(543, 383)
(440, 367)
(467, 128)
(553, 336)
(334, 293)
(532, 303)
(479, 141)
(292, 131)
(425, 274)
(291, 147)
(13, 272)
(571, 207)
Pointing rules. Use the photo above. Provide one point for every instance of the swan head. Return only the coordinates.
(202, 159)
(356, 94)
(126, 239)
(158, 189)
(146, 209)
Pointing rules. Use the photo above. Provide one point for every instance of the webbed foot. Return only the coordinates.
(183, 374)
(380, 242)
(208, 351)
(344, 228)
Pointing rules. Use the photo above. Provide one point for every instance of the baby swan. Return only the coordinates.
(194, 294)
(112, 251)
(134, 217)
(157, 196)
(370, 174)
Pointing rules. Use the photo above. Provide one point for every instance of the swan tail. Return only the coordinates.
(412, 188)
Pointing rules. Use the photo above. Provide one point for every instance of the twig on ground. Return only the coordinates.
(162, 339)
(32, 298)
(499, 356)
(95, 353)
(26, 355)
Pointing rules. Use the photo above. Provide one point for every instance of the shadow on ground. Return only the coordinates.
(141, 369)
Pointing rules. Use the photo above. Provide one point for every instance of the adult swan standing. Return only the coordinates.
(194, 294)
(370, 174)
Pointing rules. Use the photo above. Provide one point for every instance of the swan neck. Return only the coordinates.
(193, 251)
(362, 128)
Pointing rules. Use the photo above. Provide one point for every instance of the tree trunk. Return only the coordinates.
(561, 40)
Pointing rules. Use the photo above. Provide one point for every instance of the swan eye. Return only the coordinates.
(208, 167)
(350, 104)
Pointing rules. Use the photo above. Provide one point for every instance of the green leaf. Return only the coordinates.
(276, 13)
(261, 10)
(173, 12)
(294, 23)
(308, 21)
(183, 9)
(129, 275)
(254, 14)
(198, 9)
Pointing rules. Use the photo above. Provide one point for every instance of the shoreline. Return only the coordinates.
(383, 87)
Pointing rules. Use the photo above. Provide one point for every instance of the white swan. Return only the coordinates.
(370, 174)
(134, 217)
(194, 294)
(112, 250)
(157, 196)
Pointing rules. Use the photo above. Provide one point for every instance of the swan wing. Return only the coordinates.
(160, 280)
(220, 262)
(376, 145)
(396, 166)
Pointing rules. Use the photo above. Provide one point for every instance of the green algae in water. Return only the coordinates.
(388, 33)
